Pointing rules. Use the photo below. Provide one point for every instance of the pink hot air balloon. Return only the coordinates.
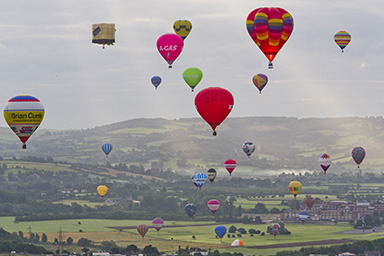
(158, 224)
(170, 47)
(213, 205)
(230, 165)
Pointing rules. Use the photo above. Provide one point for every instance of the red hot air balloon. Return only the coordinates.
(270, 28)
(214, 104)
(309, 201)
(230, 165)
(213, 205)
(158, 224)
(170, 47)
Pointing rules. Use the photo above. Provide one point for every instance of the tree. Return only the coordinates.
(44, 238)
(108, 245)
(149, 250)
(232, 229)
(242, 230)
(84, 242)
(132, 248)
(69, 241)
(260, 208)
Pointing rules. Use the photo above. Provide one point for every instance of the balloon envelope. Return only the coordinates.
(199, 179)
(212, 174)
(309, 201)
(275, 228)
(342, 39)
(214, 104)
(158, 223)
(237, 242)
(190, 209)
(230, 165)
(102, 190)
(295, 187)
(213, 205)
(170, 47)
(303, 216)
(107, 148)
(220, 231)
(142, 229)
(156, 81)
(192, 76)
(23, 114)
(182, 28)
(248, 148)
(270, 28)
(358, 154)
(260, 81)
(325, 162)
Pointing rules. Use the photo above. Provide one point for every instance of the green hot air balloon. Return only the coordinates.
(192, 76)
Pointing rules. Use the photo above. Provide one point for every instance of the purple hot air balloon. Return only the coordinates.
(158, 224)
(358, 154)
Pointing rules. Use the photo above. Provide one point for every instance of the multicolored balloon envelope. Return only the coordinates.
(230, 165)
(156, 81)
(248, 148)
(190, 209)
(214, 104)
(270, 28)
(295, 187)
(170, 47)
(213, 205)
(192, 76)
(237, 242)
(199, 179)
(309, 201)
(342, 39)
(303, 216)
(182, 28)
(211, 174)
(158, 223)
(274, 228)
(142, 229)
(24, 114)
(325, 162)
(102, 190)
(260, 81)
(358, 154)
(220, 231)
(107, 148)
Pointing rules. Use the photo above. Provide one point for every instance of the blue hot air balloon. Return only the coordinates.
(107, 148)
(303, 216)
(190, 209)
(156, 81)
(220, 231)
(199, 179)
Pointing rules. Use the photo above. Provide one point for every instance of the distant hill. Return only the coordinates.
(188, 144)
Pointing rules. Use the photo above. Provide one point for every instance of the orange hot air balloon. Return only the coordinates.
(270, 28)
(102, 190)
(142, 229)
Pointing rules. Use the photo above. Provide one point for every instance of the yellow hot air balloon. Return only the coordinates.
(182, 28)
(295, 187)
(24, 113)
(102, 190)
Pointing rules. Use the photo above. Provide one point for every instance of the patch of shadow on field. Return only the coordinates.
(301, 244)
(362, 231)
(173, 226)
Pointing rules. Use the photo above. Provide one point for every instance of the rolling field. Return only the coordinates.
(175, 233)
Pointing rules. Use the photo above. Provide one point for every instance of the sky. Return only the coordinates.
(46, 51)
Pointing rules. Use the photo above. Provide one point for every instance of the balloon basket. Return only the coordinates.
(270, 65)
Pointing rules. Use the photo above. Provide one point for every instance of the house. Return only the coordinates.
(375, 253)
(346, 254)
(198, 250)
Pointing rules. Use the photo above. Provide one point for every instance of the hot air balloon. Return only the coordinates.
(342, 39)
(248, 148)
(212, 174)
(192, 76)
(303, 216)
(170, 47)
(237, 242)
(102, 190)
(214, 104)
(213, 205)
(309, 201)
(325, 162)
(274, 228)
(158, 224)
(182, 28)
(190, 209)
(107, 148)
(24, 113)
(358, 154)
(295, 187)
(220, 231)
(270, 28)
(199, 179)
(156, 81)
(230, 165)
(142, 229)
(103, 33)
(260, 81)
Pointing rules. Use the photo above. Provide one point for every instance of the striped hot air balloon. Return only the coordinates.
(142, 229)
(199, 179)
(260, 81)
(342, 39)
(107, 148)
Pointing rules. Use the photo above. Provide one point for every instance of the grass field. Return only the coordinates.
(175, 233)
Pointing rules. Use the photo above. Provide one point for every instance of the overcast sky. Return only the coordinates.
(46, 51)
